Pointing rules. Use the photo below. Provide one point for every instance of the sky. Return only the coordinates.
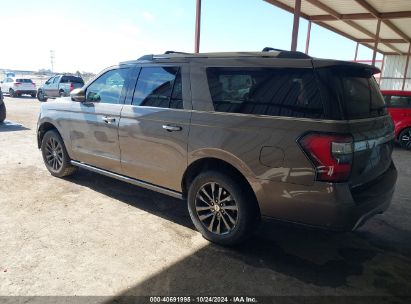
(90, 35)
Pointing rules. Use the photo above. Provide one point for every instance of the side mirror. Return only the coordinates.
(78, 95)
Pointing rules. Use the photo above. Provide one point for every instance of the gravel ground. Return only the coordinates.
(91, 235)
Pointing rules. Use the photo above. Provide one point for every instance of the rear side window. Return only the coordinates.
(352, 91)
(393, 101)
(265, 91)
(159, 87)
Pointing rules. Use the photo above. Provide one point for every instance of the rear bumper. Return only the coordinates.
(26, 92)
(326, 205)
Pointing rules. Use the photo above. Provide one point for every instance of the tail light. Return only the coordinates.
(71, 87)
(331, 155)
(17, 83)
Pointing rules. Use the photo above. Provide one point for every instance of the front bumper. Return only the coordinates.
(327, 205)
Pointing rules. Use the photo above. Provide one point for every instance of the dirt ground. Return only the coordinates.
(91, 235)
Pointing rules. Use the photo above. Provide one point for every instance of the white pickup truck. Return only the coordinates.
(59, 86)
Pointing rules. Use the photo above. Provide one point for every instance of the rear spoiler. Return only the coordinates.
(322, 63)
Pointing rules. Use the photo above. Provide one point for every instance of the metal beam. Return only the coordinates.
(406, 67)
(296, 25)
(377, 15)
(356, 51)
(362, 16)
(358, 27)
(381, 40)
(198, 27)
(286, 8)
(307, 41)
(377, 37)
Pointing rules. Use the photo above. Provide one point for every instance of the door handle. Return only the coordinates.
(171, 128)
(108, 119)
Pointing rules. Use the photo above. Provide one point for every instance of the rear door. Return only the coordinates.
(94, 123)
(154, 126)
(363, 108)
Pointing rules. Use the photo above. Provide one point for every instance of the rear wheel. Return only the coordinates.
(405, 138)
(2, 112)
(55, 155)
(33, 95)
(40, 96)
(61, 93)
(221, 209)
(12, 93)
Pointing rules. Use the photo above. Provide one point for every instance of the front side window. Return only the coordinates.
(265, 91)
(56, 79)
(393, 101)
(159, 87)
(108, 87)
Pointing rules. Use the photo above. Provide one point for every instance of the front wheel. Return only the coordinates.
(55, 155)
(221, 208)
(405, 139)
(12, 93)
(40, 96)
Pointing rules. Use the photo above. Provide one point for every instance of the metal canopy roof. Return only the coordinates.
(361, 20)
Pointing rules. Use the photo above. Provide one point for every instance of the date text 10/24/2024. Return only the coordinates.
(203, 299)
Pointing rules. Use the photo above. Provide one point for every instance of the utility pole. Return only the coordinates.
(52, 57)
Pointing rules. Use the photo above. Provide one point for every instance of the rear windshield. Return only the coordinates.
(25, 80)
(394, 101)
(73, 79)
(352, 92)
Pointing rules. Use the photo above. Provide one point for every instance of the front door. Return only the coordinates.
(154, 128)
(94, 124)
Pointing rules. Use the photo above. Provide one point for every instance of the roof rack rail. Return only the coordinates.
(286, 54)
(146, 57)
(269, 49)
(176, 52)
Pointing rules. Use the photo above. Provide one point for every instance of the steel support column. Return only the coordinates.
(356, 51)
(382, 68)
(307, 41)
(377, 38)
(296, 24)
(406, 67)
(198, 27)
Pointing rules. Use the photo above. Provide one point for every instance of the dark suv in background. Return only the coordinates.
(241, 136)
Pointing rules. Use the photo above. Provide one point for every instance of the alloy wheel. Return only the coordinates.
(54, 154)
(406, 139)
(216, 208)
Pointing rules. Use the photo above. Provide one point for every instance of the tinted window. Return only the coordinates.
(24, 80)
(398, 101)
(352, 91)
(56, 79)
(108, 87)
(73, 79)
(265, 91)
(159, 87)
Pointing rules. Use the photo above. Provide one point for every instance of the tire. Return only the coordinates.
(237, 217)
(405, 138)
(33, 95)
(62, 94)
(55, 155)
(12, 93)
(41, 97)
(2, 112)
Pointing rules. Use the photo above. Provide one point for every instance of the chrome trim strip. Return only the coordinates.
(128, 180)
(371, 143)
(319, 120)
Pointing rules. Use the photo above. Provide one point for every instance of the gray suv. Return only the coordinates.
(240, 136)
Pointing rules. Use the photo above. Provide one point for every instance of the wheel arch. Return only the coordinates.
(43, 129)
(212, 163)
